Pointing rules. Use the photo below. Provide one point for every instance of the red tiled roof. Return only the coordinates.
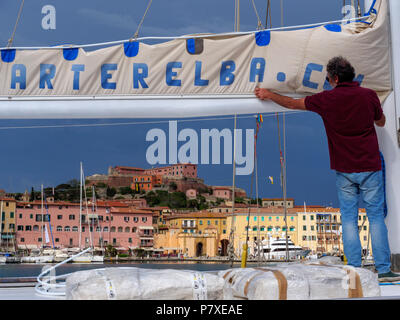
(198, 214)
(128, 210)
(277, 199)
(111, 203)
(7, 199)
(99, 203)
(129, 168)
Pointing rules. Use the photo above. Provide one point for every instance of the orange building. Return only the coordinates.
(145, 182)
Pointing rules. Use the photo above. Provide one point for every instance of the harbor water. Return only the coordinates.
(33, 270)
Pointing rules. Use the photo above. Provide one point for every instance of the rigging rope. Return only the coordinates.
(237, 16)
(132, 123)
(135, 36)
(189, 36)
(259, 23)
(10, 41)
(268, 15)
(259, 120)
(358, 8)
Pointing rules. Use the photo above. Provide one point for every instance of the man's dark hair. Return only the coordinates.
(339, 66)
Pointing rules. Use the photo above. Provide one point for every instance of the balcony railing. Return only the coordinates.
(188, 225)
(146, 235)
(146, 245)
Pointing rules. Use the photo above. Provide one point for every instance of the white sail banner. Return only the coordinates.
(207, 75)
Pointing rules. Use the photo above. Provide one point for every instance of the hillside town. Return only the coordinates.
(163, 212)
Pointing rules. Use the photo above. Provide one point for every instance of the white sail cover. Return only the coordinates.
(196, 76)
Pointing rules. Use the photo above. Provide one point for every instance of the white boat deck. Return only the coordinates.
(388, 292)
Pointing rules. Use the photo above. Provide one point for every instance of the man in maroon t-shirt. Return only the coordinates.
(349, 113)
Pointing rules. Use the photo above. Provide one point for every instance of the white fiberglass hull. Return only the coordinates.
(37, 259)
(279, 255)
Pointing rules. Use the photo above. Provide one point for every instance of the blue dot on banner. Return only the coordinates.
(281, 77)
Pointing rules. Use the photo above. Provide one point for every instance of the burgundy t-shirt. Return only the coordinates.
(349, 112)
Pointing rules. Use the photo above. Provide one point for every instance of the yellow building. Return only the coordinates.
(277, 202)
(317, 228)
(7, 209)
(320, 230)
(263, 224)
(208, 233)
(195, 234)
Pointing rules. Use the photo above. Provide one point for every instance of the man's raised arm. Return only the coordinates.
(284, 101)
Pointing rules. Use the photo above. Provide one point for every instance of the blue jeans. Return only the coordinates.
(368, 185)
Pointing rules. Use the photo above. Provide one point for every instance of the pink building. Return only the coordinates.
(177, 170)
(226, 192)
(191, 193)
(222, 192)
(121, 226)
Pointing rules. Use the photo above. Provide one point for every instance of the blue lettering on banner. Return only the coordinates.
(170, 74)
(197, 78)
(359, 78)
(307, 76)
(76, 68)
(21, 78)
(327, 86)
(47, 72)
(257, 68)
(140, 71)
(105, 84)
(226, 76)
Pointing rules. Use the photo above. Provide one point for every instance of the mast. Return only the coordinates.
(284, 162)
(87, 209)
(389, 136)
(1, 222)
(41, 211)
(80, 211)
(231, 236)
(231, 247)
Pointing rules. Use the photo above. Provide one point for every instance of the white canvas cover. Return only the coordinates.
(143, 284)
(300, 282)
(191, 77)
